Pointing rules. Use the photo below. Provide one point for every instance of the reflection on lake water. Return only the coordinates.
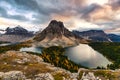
(85, 55)
(31, 49)
(82, 54)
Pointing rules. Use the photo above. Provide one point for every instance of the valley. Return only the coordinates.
(59, 54)
(59, 39)
(32, 64)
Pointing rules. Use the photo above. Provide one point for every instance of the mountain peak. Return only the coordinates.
(56, 35)
(18, 30)
(56, 28)
(56, 23)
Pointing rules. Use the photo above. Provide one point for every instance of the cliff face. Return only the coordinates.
(56, 35)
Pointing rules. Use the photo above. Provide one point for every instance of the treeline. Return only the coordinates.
(1, 42)
(109, 50)
(55, 56)
(15, 47)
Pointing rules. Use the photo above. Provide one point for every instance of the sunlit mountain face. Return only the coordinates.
(76, 14)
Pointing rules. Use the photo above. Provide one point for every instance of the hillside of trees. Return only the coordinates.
(109, 50)
(55, 56)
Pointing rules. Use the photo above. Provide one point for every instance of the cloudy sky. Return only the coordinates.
(76, 14)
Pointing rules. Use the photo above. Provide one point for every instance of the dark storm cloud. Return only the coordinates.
(3, 13)
(18, 7)
(106, 12)
(44, 9)
(27, 4)
(88, 10)
(30, 5)
(115, 4)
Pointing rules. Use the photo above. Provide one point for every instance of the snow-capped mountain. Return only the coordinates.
(16, 34)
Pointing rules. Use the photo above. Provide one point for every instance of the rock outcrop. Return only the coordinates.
(44, 76)
(12, 75)
(21, 57)
(16, 65)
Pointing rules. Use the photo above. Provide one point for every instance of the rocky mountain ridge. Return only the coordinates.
(17, 34)
(94, 35)
(18, 30)
(57, 35)
(114, 37)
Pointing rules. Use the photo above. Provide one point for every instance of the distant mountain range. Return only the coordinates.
(57, 35)
(98, 36)
(18, 30)
(16, 34)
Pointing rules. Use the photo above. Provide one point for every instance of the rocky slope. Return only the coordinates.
(56, 35)
(16, 34)
(16, 65)
(94, 35)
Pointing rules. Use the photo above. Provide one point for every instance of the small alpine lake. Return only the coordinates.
(82, 54)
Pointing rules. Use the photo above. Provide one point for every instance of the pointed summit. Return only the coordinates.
(56, 27)
(56, 35)
(55, 23)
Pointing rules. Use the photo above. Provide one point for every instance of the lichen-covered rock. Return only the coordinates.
(89, 76)
(21, 57)
(12, 75)
(74, 76)
(44, 76)
(1, 74)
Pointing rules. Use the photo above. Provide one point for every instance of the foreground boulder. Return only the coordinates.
(44, 76)
(12, 75)
(16, 65)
